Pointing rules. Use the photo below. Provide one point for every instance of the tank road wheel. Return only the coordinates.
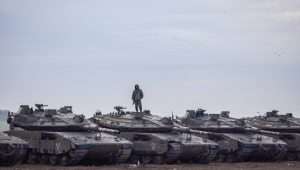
(173, 153)
(75, 156)
(146, 159)
(20, 156)
(278, 156)
(232, 157)
(43, 159)
(134, 158)
(298, 156)
(65, 160)
(32, 158)
(221, 157)
(53, 160)
(291, 156)
(202, 160)
(124, 155)
(158, 159)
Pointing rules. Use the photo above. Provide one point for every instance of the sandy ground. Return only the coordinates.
(211, 166)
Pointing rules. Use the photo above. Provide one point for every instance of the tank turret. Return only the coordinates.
(158, 139)
(237, 142)
(62, 119)
(62, 137)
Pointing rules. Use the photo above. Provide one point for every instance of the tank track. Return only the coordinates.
(205, 156)
(298, 155)
(69, 158)
(124, 155)
(171, 156)
(233, 156)
(146, 159)
(212, 154)
(293, 156)
(281, 152)
(12, 158)
(278, 156)
(77, 155)
(173, 153)
(275, 153)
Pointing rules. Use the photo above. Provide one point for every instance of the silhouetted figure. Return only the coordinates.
(137, 96)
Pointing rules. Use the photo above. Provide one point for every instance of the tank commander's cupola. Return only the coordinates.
(289, 114)
(225, 114)
(25, 109)
(147, 112)
(214, 117)
(139, 115)
(195, 113)
(190, 113)
(50, 112)
(40, 107)
(79, 118)
(66, 109)
(200, 112)
(98, 113)
(273, 113)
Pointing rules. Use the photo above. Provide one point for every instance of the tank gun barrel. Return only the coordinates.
(294, 122)
(179, 128)
(112, 131)
(253, 129)
(41, 105)
(199, 132)
(95, 128)
(191, 131)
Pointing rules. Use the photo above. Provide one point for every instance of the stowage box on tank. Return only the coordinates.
(156, 139)
(62, 137)
(236, 141)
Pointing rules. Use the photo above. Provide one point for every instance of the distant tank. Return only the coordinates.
(156, 139)
(286, 124)
(62, 137)
(12, 150)
(236, 142)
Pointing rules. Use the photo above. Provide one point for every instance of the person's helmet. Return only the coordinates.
(136, 86)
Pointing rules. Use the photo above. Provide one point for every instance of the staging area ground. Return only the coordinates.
(211, 166)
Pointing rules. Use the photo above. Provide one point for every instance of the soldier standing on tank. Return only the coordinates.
(137, 97)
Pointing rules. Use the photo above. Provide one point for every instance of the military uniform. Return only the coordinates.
(137, 97)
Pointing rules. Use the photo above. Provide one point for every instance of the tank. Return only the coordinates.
(236, 141)
(157, 139)
(64, 138)
(12, 150)
(287, 126)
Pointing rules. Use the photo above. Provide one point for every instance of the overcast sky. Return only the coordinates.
(238, 55)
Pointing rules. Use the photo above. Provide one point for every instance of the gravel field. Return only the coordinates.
(212, 166)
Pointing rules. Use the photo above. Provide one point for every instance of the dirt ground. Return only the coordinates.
(211, 166)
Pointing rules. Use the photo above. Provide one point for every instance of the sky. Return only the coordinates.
(241, 56)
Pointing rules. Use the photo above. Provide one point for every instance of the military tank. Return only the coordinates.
(64, 138)
(157, 139)
(287, 126)
(12, 150)
(236, 141)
